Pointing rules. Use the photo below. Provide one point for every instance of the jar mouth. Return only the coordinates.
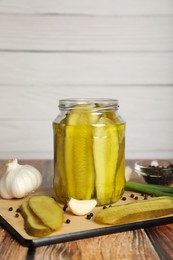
(94, 103)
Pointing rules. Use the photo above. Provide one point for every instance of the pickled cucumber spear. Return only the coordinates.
(119, 175)
(60, 178)
(120, 170)
(136, 211)
(105, 150)
(78, 155)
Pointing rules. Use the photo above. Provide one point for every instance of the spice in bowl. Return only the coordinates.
(155, 172)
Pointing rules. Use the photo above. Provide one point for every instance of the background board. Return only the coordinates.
(58, 49)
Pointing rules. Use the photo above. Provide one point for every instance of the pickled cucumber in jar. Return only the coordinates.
(89, 147)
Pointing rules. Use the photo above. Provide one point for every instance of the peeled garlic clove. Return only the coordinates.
(128, 173)
(81, 207)
(154, 163)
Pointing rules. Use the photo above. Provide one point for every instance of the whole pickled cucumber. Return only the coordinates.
(105, 150)
(136, 211)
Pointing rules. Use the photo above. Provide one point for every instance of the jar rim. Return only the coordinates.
(69, 103)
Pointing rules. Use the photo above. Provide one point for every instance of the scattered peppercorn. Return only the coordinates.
(10, 209)
(123, 198)
(136, 197)
(16, 215)
(65, 207)
(18, 210)
(67, 221)
(89, 216)
(132, 195)
(104, 207)
(145, 197)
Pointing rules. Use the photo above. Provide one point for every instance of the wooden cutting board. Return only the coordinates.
(79, 226)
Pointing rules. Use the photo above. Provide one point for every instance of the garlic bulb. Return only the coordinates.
(19, 180)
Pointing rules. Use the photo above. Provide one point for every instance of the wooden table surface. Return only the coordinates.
(149, 243)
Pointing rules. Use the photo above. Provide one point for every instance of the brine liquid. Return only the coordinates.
(89, 162)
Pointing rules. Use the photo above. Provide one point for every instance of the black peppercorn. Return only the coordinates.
(65, 207)
(145, 197)
(10, 209)
(67, 221)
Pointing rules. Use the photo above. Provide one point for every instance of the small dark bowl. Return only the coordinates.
(161, 174)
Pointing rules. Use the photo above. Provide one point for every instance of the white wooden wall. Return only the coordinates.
(53, 49)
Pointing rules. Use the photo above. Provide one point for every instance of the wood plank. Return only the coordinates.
(85, 68)
(135, 243)
(161, 237)
(10, 248)
(97, 7)
(34, 139)
(81, 33)
(139, 101)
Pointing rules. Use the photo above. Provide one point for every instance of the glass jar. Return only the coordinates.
(89, 147)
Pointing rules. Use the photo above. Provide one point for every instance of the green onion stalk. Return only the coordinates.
(152, 189)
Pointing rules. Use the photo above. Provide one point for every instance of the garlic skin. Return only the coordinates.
(19, 180)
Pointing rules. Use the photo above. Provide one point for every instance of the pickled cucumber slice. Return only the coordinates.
(105, 150)
(47, 210)
(136, 211)
(32, 224)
